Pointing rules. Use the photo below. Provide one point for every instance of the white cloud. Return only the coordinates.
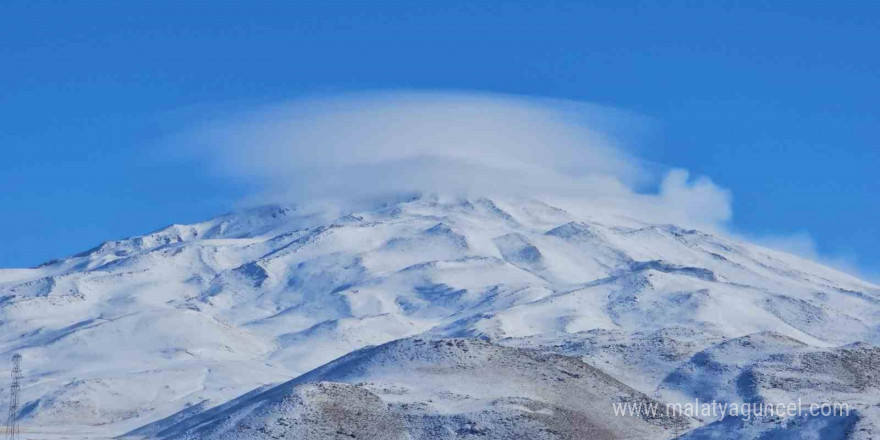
(701, 197)
(350, 146)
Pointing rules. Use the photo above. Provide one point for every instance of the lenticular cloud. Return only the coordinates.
(359, 145)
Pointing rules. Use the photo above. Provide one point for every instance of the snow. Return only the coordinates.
(191, 316)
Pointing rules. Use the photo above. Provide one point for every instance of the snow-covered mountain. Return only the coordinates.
(158, 336)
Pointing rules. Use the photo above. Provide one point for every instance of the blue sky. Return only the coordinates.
(776, 101)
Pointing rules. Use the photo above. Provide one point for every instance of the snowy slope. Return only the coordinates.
(191, 316)
(436, 389)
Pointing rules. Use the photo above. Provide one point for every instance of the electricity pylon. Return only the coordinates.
(12, 418)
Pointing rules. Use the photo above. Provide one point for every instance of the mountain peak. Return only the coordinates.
(216, 308)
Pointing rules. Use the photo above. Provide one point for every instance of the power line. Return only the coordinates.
(12, 418)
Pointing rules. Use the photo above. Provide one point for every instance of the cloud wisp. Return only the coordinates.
(803, 245)
(454, 143)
